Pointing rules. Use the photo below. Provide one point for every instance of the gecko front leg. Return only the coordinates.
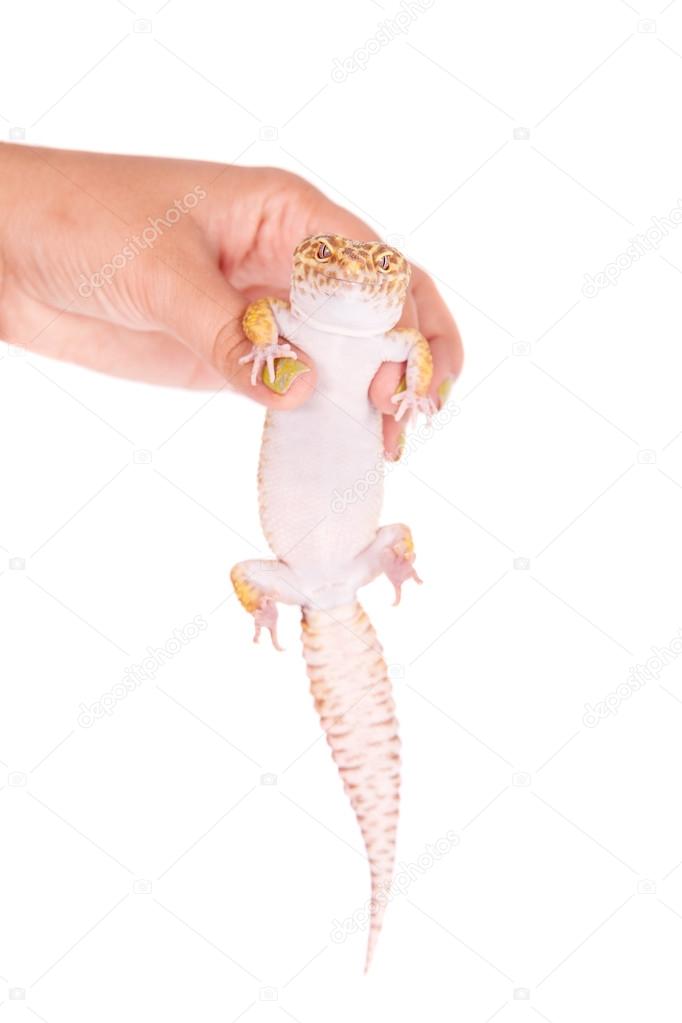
(408, 343)
(263, 328)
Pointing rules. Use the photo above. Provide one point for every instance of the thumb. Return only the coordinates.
(202, 310)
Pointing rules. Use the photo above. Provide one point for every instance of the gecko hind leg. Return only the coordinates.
(391, 552)
(259, 585)
(397, 561)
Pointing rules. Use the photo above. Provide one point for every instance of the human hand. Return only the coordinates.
(142, 268)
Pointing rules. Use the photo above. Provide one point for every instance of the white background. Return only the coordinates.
(566, 451)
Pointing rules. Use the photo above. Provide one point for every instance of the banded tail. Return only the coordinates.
(352, 693)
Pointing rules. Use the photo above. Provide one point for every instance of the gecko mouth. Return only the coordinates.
(343, 280)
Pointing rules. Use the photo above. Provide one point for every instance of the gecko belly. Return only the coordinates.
(336, 462)
(331, 451)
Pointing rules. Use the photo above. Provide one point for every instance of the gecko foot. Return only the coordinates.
(265, 355)
(397, 561)
(259, 586)
(266, 616)
(410, 403)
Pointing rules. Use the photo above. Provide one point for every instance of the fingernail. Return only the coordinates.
(395, 456)
(444, 390)
(286, 372)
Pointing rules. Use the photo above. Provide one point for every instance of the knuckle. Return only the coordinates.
(229, 346)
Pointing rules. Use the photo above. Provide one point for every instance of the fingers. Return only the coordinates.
(295, 379)
(426, 310)
(439, 328)
(394, 437)
(195, 304)
(381, 392)
(147, 355)
(384, 386)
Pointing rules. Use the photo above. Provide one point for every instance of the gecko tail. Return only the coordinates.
(352, 693)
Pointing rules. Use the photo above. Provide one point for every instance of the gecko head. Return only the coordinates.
(345, 283)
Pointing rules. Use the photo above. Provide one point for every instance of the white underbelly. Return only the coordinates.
(320, 474)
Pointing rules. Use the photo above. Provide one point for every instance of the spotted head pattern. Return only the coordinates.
(329, 265)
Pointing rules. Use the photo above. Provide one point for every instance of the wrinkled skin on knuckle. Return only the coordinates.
(228, 347)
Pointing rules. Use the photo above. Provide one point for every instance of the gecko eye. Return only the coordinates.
(323, 252)
(384, 263)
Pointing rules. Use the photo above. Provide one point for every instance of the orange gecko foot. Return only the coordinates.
(397, 561)
(266, 616)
